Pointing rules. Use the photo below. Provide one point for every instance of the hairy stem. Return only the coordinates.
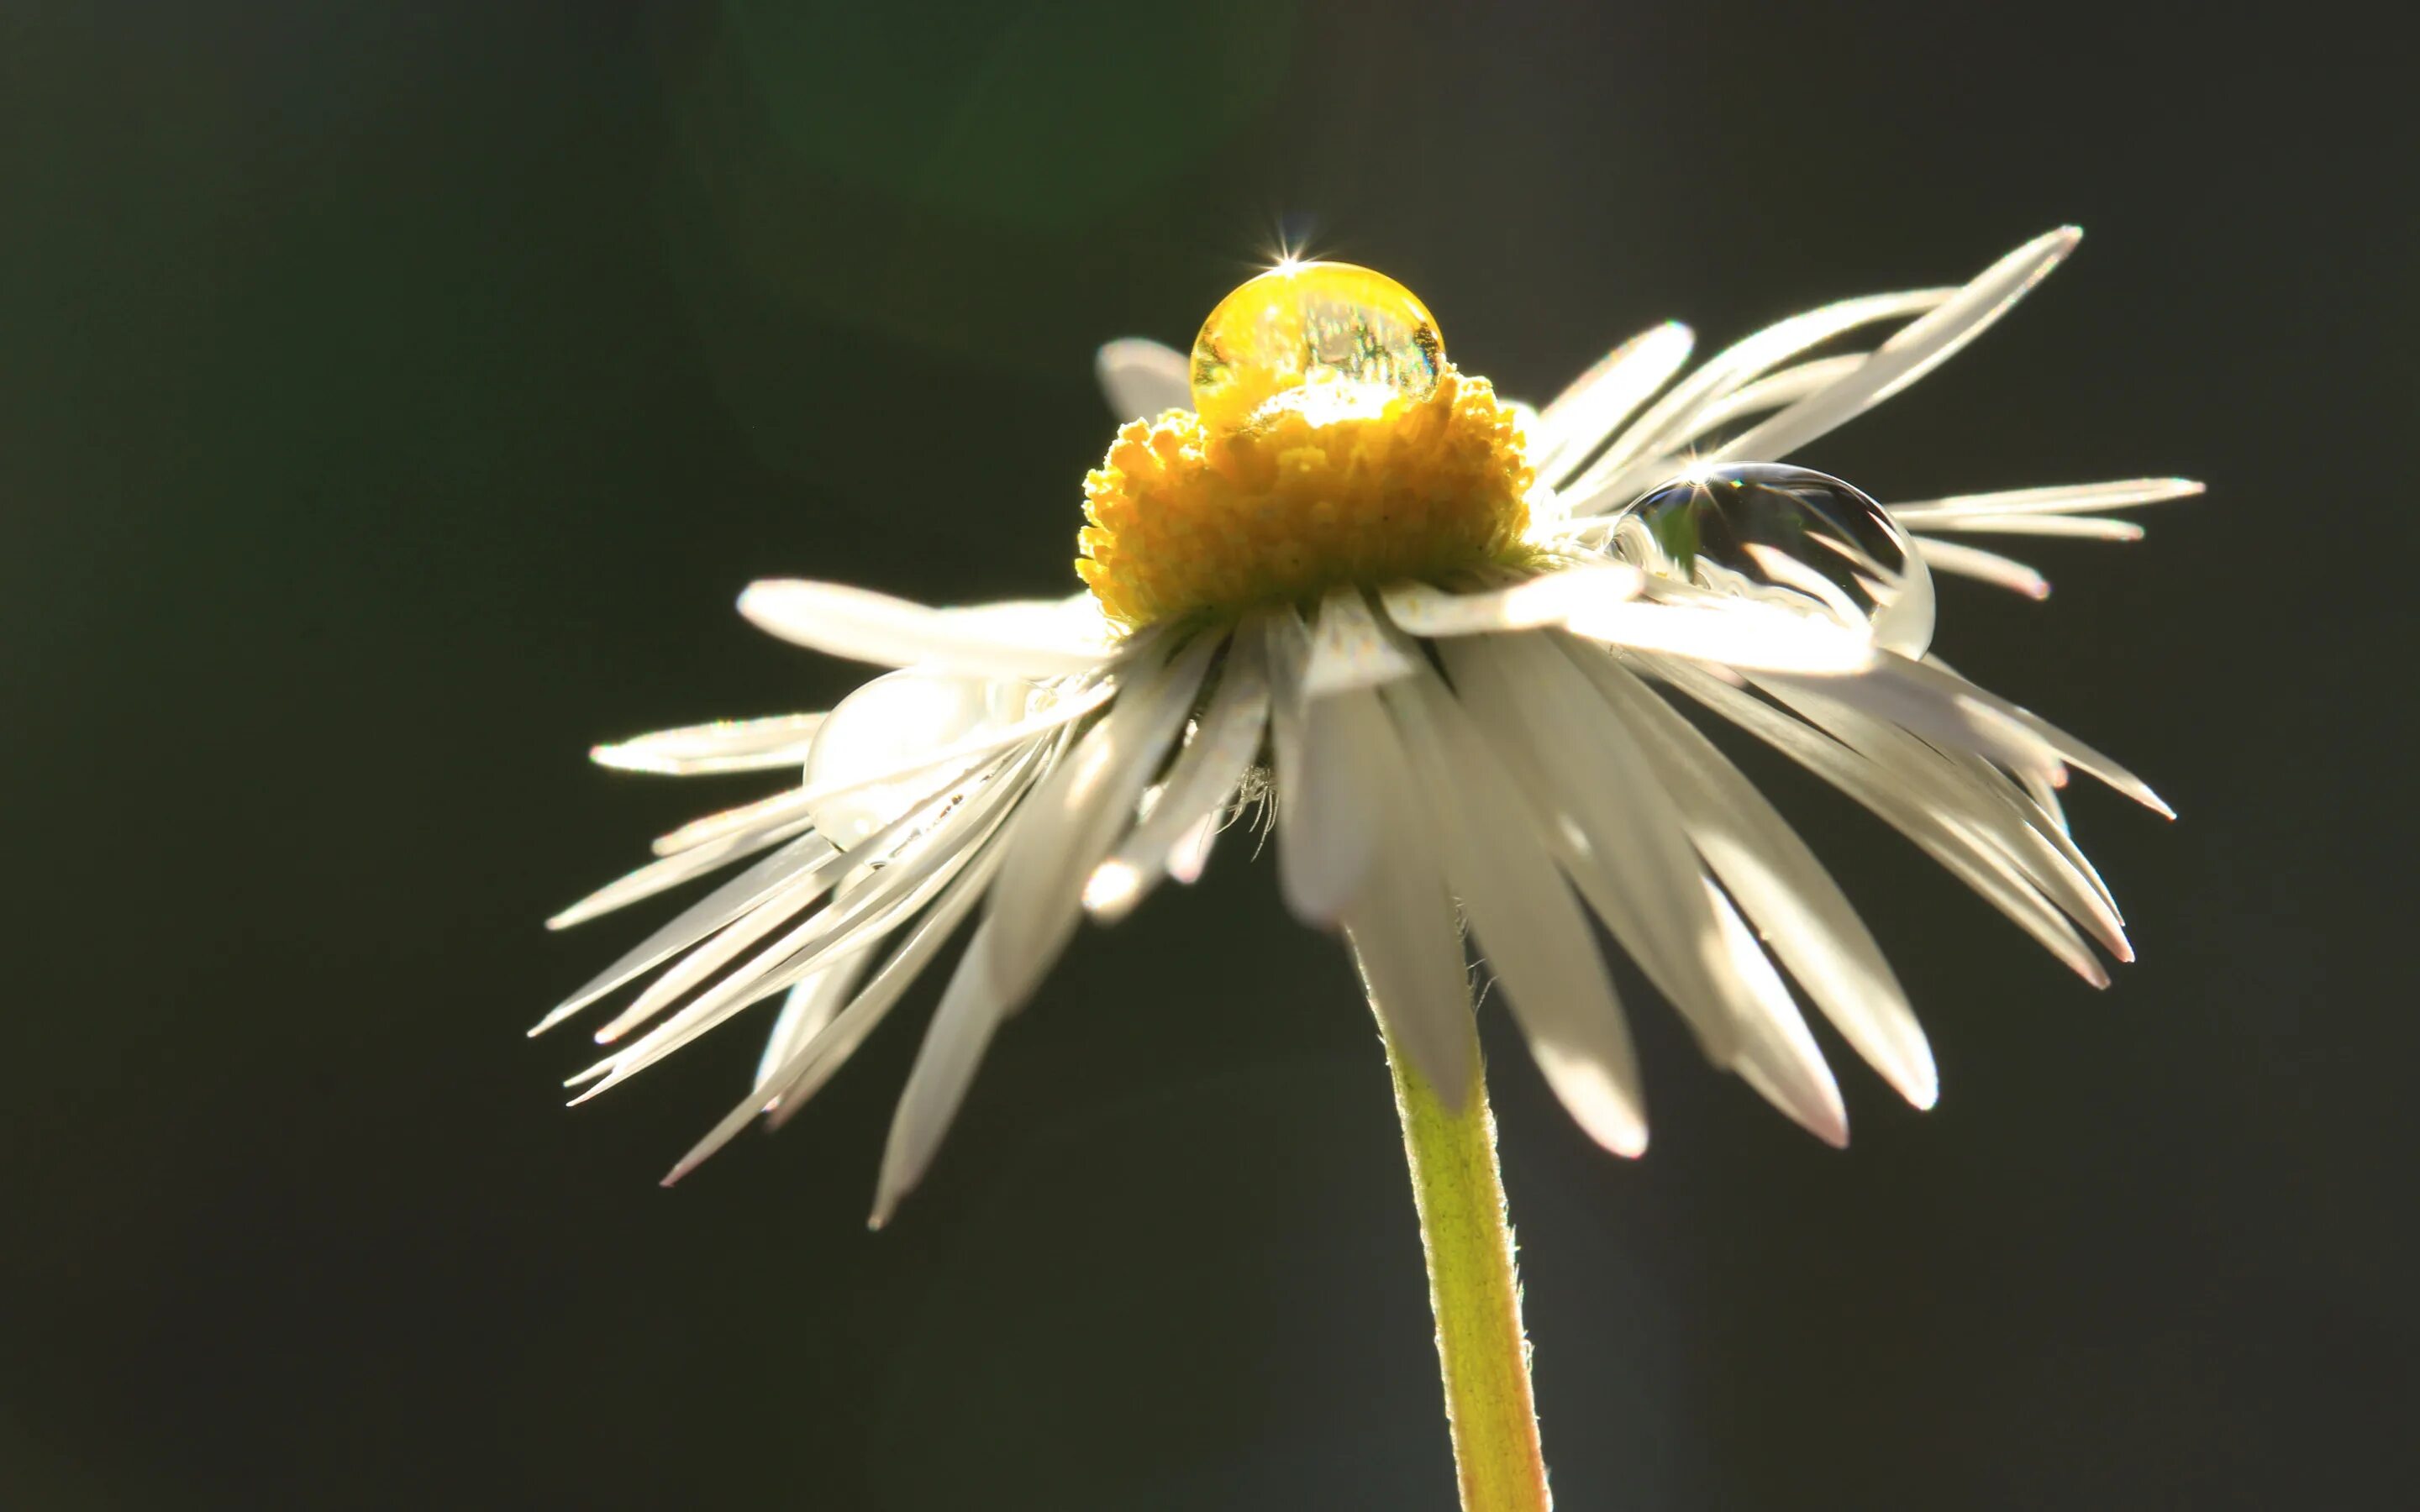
(1472, 1290)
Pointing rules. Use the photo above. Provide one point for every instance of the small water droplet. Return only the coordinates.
(1766, 531)
(892, 721)
(1330, 339)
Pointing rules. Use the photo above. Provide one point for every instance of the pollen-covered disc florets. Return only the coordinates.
(1363, 457)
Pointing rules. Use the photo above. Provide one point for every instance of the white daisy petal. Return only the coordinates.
(1611, 828)
(1531, 929)
(1987, 871)
(2046, 795)
(1987, 800)
(721, 746)
(1141, 379)
(809, 1006)
(1971, 796)
(1892, 691)
(2063, 745)
(1191, 854)
(701, 919)
(1173, 835)
(1777, 882)
(870, 909)
(765, 975)
(943, 767)
(1914, 351)
(1656, 434)
(1349, 650)
(2074, 526)
(2022, 793)
(1981, 865)
(1056, 638)
(1608, 489)
(1405, 936)
(773, 811)
(1583, 417)
(809, 1067)
(693, 969)
(1787, 386)
(1071, 818)
(1337, 844)
(915, 870)
(1777, 1056)
(1734, 633)
(1058, 709)
(971, 1009)
(1548, 598)
(1324, 818)
(865, 904)
(1623, 847)
(669, 871)
(830, 938)
(813, 1063)
(2068, 498)
(1988, 566)
(1060, 832)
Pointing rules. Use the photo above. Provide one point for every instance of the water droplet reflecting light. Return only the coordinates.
(888, 724)
(1331, 339)
(1766, 531)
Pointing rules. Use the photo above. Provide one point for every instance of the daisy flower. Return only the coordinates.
(1451, 648)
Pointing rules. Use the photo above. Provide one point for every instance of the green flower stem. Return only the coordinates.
(1472, 1291)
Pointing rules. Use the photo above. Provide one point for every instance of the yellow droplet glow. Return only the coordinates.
(1331, 444)
(1327, 340)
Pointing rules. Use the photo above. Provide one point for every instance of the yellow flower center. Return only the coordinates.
(1331, 443)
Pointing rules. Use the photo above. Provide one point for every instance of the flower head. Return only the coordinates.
(1335, 446)
(1451, 643)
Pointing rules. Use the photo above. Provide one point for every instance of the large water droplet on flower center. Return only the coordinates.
(1760, 529)
(1331, 339)
(888, 723)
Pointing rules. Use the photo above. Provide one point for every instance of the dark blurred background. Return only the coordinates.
(394, 396)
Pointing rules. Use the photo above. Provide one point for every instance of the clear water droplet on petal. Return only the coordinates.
(888, 724)
(1786, 534)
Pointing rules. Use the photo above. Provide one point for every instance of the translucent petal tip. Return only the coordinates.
(1921, 1088)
